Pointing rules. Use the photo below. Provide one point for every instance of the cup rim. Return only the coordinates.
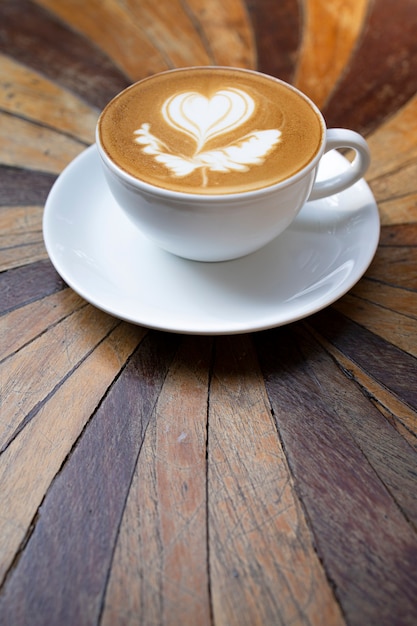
(163, 192)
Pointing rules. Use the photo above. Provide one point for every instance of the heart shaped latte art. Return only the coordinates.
(203, 118)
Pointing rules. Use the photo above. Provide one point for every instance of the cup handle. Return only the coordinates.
(343, 138)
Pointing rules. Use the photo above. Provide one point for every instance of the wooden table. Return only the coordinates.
(155, 478)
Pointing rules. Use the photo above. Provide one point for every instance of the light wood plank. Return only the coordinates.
(397, 329)
(28, 94)
(331, 30)
(32, 373)
(263, 565)
(22, 325)
(402, 301)
(139, 37)
(77, 541)
(398, 211)
(19, 220)
(28, 145)
(392, 174)
(207, 32)
(162, 541)
(171, 26)
(19, 255)
(394, 143)
(396, 266)
(398, 184)
(227, 30)
(29, 464)
(21, 239)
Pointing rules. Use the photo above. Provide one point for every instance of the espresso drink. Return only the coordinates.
(210, 130)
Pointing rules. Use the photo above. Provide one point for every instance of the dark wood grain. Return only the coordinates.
(25, 284)
(344, 499)
(381, 77)
(47, 370)
(395, 266)
(34, 457)
(159, 571)
(399, 235)
(36, 38)
(394, 368)
(76, 527)
(252, 480)
(19, 187)
(277, 28)
(392, 458)
(252, 507)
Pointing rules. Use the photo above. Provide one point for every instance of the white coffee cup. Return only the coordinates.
(225, 226)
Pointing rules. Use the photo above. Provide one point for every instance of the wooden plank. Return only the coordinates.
(140, 35)
(32, 146)
(225, 27)
(30, 95)
(61, 576)
(394, 143)
(388, 365)
(395, 266)
(401, 416)
(21, 240)
(263, 564)
(45, 362)
(394, 149)
(32, 36)
(276, 27)
(370, 92)
(22, 325)
(398, 211)
(140, 39)
(393, 460)
(330, 34)
(399, 330)
(159, 572)
(392, 298)
(400, 183)
(409, 435)
(122, 32)
(21, 187)
(18, 254)
(20, 221)
(180, 46)
(399, 235)
(345, 501)
(33, 459)
(22, 285)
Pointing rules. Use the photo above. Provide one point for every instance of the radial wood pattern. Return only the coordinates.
(159, 479)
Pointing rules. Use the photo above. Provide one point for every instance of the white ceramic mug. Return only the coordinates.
(220, 227)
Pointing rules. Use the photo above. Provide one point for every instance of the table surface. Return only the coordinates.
(155, 478)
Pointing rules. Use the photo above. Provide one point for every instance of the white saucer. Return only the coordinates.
(109, 263)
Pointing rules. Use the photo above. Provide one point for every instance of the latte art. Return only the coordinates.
(210, 130)
(203, 119)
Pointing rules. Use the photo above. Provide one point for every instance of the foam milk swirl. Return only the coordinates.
(204, 118)
(210, 130)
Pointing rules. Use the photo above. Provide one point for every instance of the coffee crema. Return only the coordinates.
(210, 130)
